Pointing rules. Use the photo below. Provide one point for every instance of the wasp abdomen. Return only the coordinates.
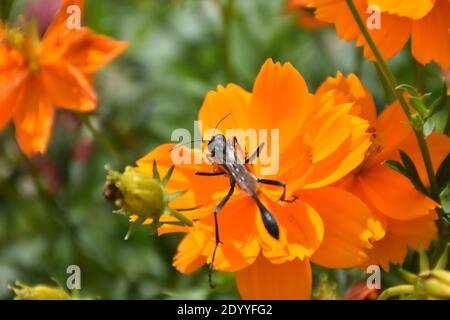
(268, 219)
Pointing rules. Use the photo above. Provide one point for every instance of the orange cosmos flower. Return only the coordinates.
(406, 214)
(38, 75)
(425, 21)
(319, 143)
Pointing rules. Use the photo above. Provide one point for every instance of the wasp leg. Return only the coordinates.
(279, 184)
(216, 223)
(210, 174)
(255, 154)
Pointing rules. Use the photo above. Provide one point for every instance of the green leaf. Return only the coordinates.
(412, 172)
(439, 119)
(397, 166)
(440, 102)
(429, 126)
(445, 199)
(408, 169)
(443, 173)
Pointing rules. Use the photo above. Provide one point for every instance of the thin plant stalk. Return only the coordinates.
(390, 79)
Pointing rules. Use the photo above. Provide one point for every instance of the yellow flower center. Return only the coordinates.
(374, 149)
(26, 46)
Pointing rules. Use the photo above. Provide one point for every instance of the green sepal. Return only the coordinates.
(443, 260)
(134, 226)
(168, 175)
(155, 171)
(174, 195)
(424, 263)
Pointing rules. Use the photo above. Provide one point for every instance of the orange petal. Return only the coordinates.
(390, 249)
(237, 232)
(401, 235)
(390, 38)
(11, 86)
(345, 159)
(68, 88)
(430, 36)
(266, 281)
(88, 51)
(329, 129)
(393, 194)
(422, 228)
(347, 90)
(58, 27)
(349, 226)
(279, 87)
(438, 146)
(189, 257)
(33, 119)
(231, 102)
(404, 8)
(301, 231)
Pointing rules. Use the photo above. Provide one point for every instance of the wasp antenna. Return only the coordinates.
(186, 143)
(220, 121)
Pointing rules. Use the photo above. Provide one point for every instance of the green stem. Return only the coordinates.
(396, 291)
(434, 190)
(420, 74)
(52, 206)
(227, 17)
(99, 136)
(390, 79)
(442, 241)
(386, 89)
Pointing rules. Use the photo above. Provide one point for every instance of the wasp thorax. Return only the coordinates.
(135, 193)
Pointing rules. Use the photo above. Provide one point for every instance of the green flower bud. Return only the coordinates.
(434, 284)
(136, 193)
(144, 196)
(39, 292)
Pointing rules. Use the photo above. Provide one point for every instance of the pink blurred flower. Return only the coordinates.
(43, 11)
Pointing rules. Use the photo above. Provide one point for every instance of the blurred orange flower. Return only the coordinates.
(305, 14)
(406, 214)
(425, 21)
(320, 142)
(37, 75)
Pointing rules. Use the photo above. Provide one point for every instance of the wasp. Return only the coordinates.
(225, 156)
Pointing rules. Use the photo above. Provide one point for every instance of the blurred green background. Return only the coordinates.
(178, 50)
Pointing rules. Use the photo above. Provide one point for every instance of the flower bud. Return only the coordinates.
(433, 284)
(143, 198)
(39, 292)
(136, 193)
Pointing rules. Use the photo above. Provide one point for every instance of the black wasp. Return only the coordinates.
(223, 153)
